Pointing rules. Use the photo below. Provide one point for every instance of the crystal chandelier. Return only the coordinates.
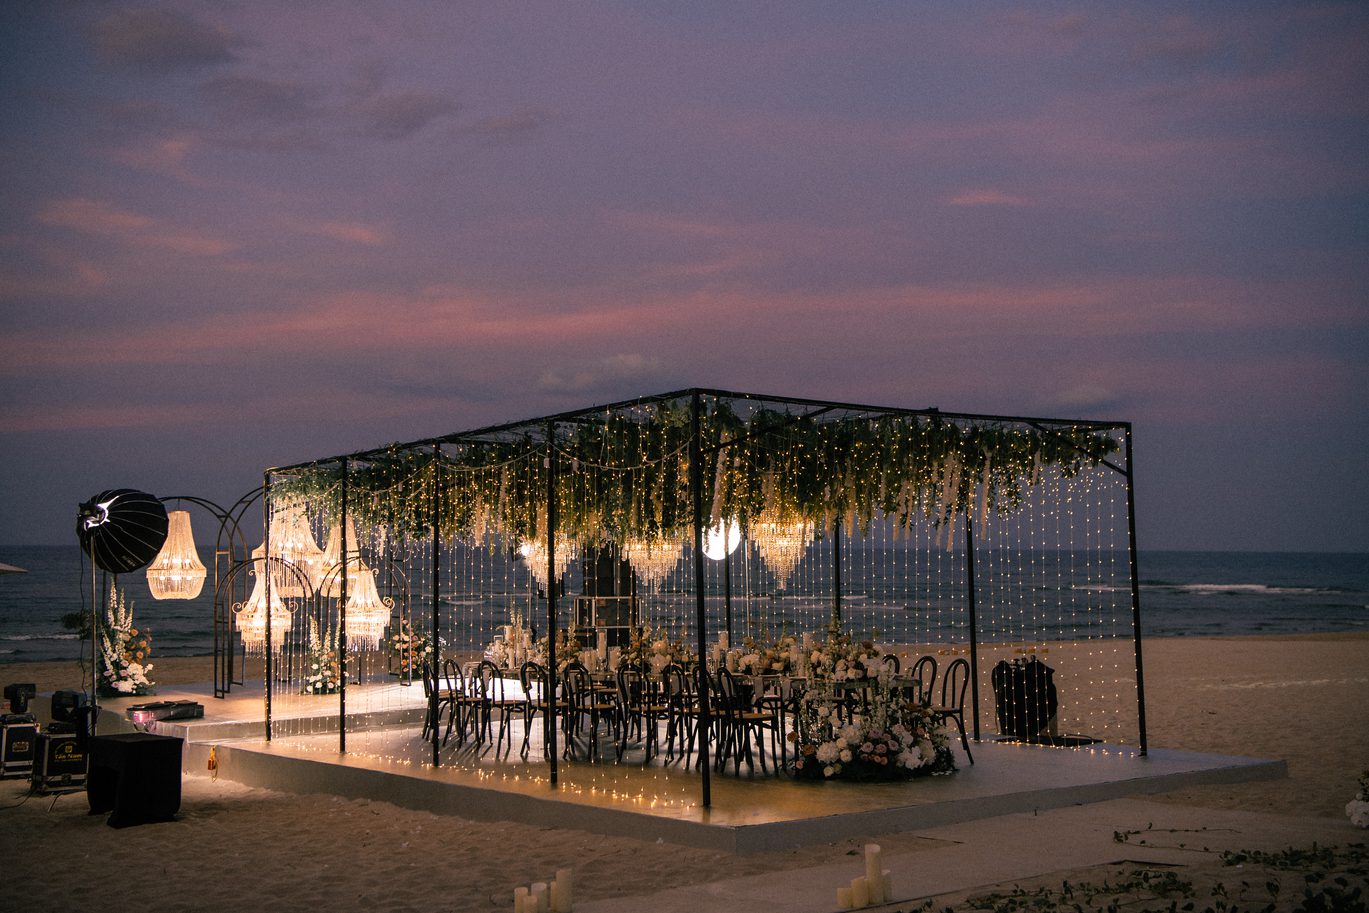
(652, 559)
(293, 541)
(251, 615)
(534, 554)
(781, 543)
(176, 572)
(367, 612)
(331, 585)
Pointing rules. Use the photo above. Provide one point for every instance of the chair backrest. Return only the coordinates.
(575, 679)
(533, 677)
(631, 682)
(729, 697)
(924, 673)
(892, 662)
(429, 678)
(676, 684)
(491, 681)
(452, 679)
(955, 683)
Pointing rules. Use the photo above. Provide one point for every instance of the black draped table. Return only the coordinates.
(136, 776)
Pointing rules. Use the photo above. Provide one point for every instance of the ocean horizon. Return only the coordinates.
(1183, 593)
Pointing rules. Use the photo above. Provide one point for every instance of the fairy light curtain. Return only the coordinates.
(863, 516)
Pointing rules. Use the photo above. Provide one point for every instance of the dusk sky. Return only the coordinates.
(245, 234)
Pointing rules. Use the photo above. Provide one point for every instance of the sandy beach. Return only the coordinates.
(1304, 699)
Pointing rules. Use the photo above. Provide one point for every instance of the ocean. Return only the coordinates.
(1182, 593)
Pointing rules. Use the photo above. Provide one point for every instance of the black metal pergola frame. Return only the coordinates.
(545, 430)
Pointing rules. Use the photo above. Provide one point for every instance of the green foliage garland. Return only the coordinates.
(627, 473)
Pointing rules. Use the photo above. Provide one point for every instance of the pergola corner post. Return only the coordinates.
(1135, 596)
(549, 715)
(266, 569)
(972, 610)
(696, 491)
(433, 678)
(342, 625)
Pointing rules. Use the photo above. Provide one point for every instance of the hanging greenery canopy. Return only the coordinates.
(622, 470)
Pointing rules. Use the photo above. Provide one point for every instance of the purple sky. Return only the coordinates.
(237, 235)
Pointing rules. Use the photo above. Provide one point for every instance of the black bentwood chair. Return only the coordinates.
(537, 698)
(954, 685)
(924, 677)
(586, 706)
(741, 721)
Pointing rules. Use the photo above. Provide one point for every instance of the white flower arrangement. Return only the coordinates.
(323, 675)
(775, 659)
(124, 650)
(410, 648)
(1358, 808)
(890, 739)
(841, 659)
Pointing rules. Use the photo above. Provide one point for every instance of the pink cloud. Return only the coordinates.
(87, 216)
(986, 197)
(344, 230)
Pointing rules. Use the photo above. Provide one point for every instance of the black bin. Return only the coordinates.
(1025, 698)
(135, 776)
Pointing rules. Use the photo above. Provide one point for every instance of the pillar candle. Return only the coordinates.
(566, 879)
(554, 896)
(539, 895)
(860, 892)
(873, 870)
(887, 877)
(722, 639)
(844, 897)
(520, 896)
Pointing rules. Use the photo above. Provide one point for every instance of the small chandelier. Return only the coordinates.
(652, 559)
(251, 615)
(534, 554)
(331, 563)
(293, 541)
(367, 612)
(781, 543)
(176, 572)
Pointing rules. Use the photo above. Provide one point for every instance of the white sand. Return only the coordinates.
(235, 848)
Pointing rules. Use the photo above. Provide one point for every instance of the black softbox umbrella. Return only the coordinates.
(122, 529)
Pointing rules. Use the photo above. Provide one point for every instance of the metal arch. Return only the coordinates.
(246, 568)
(230, 548)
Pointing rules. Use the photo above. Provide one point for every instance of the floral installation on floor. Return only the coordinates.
(124, 651)
(1358, 808)
(890, 738)
(323, 674)
(409, 649)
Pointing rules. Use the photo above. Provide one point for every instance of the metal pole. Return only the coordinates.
(727, 584)
(974, 619)
(94, 644)
(1135, 599)
(342, 624)
(696, 486)
(836, 576)
(437, 652)
(266, 569)
(549, 715)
